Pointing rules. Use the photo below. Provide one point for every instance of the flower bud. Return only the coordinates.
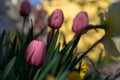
(56, 19)
(35, 53)
(25, 8)
(80, 22)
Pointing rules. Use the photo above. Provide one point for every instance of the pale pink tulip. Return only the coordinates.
(80, 22)
(35, 53)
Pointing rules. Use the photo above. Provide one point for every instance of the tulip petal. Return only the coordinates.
(37, 58)
(29, 50)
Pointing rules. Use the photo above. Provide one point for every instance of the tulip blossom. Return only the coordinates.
(56, 19)
(25, 8)
(35, 53)
(80, 22)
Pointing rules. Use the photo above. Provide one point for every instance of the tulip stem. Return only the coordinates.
(30, 73)
(83, 55)
(23, 25)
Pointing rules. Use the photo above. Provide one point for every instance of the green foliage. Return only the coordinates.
(8, 68)
(58, 62)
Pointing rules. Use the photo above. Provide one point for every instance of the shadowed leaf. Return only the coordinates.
(2, 38)
(8, 68)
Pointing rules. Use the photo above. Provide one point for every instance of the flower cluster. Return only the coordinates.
(25, 57)
(35, 53)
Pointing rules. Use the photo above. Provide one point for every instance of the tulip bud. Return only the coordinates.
(80, 22)
(35, 53)
(50, 36)
(56, 19)
(25, 8)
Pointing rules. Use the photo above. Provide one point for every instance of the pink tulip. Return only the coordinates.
(56, 19)
(80, 22)
(35, 53)
(25, 8)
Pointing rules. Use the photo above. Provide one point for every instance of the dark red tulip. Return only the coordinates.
(25, 8)
(56, 19)
(80, 22)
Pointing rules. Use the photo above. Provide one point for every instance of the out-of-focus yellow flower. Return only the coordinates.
(49, 77)
(75, 75)
(12, 34)
(84, 67)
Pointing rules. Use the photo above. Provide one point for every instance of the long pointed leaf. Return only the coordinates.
(37, 74)
(49, 66)
(61, 66)
(2, 38)
(8, 68)
(64, 75)
(50, 51)
(99, 58)
(13, 48)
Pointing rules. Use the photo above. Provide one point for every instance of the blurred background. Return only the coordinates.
(41, 9)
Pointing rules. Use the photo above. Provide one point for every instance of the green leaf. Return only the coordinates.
(95, 67)
(61, 66)
(37, 74)
(20, 64)
(99, 58)
(54, 69)
(50, 65)
(12, 74)
(20, 37)
(50, 51)
(2, 38)
(64, 75)
(8, 68)
(76, 40)
(52, 46)
(89, 76)
(29, 37)
(72, 43)
(64, 41)
(85, 53)
(13, 48)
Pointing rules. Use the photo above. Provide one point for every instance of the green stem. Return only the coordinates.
(23, 25)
